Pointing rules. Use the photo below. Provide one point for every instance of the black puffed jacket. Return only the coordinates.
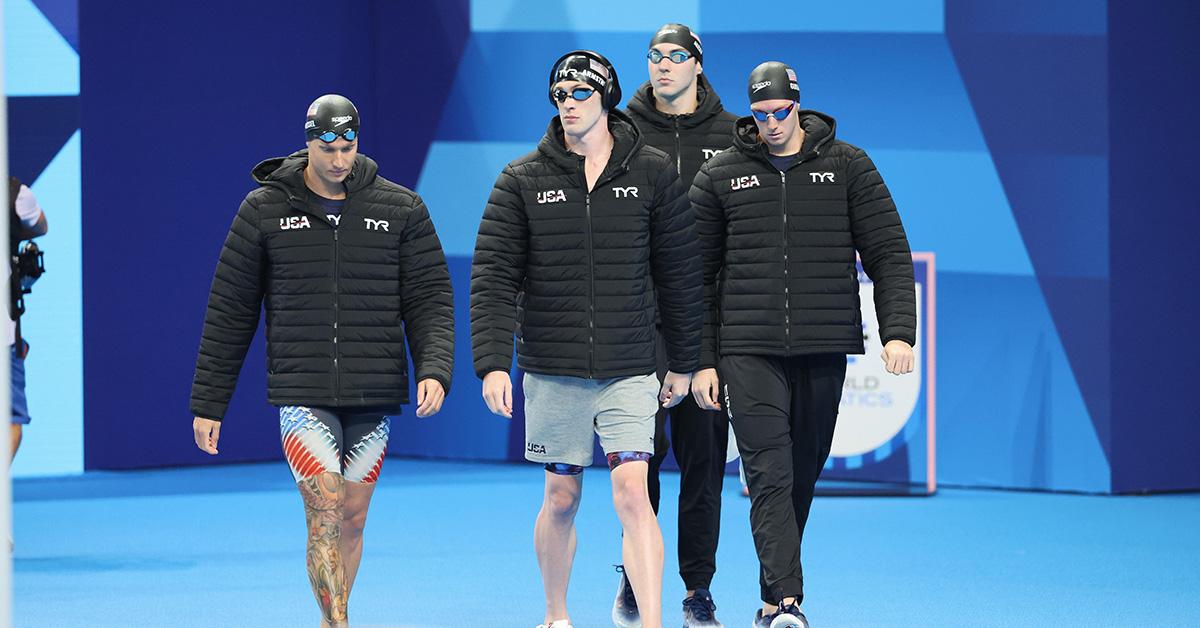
(340, 302)
(781, 246)
(689, 139)
(567, 270)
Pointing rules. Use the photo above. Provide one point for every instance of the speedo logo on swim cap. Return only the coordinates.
(758, 86)
(666, 31)
(340, 120)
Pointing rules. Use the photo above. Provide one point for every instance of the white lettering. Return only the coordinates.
(551, 196)
(744, 182)
(376, 225)
(294, 222)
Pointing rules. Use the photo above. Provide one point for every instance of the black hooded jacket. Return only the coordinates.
(782, 245)
(568, 270)
(689, 139)
(339, 302)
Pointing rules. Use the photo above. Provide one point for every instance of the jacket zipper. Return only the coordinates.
(587, 212)
(678, 154)
(337, 384)
(787, 303)
(787, 298)
(587, 200)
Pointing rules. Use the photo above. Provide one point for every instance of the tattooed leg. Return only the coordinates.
(354, 519)
(324, 495)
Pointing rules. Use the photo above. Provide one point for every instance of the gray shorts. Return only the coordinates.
(561, 413)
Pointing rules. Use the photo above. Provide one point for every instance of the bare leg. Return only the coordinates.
(324, 496)
(554, 539)
(642, 544)
(354, 519)
(771, 608)
(14, 440)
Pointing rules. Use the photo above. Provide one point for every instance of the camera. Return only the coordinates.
(28, 266)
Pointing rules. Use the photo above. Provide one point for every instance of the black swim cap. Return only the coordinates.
(331, 112)
(682, 36)
(773, 80)
(589, 67)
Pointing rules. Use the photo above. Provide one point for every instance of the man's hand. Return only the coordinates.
(674, 389)
(207, 432)
(430, 396)
(898, 356)
(497, 392)
(706, 388)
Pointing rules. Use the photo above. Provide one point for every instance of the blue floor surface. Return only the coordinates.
(450, 544)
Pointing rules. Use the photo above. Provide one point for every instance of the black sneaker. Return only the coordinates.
(788, 616)
(699, 611)
(625, 611)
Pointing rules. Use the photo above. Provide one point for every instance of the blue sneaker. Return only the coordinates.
(699, 611)
(625, 610)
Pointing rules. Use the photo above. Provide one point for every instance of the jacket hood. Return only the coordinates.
(819, 130)
(708, 105)
(627, 139)
(287, 173)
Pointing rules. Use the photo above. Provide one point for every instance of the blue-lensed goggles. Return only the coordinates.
(780, 114)
(579, 93)
(676, 56)
(329, 136)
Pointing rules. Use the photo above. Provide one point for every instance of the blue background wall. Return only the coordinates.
(41, 67)
(998, 126)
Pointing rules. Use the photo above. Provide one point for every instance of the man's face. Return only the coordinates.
(331, 162)
(578, 117)
(777, 133)
(669, 79)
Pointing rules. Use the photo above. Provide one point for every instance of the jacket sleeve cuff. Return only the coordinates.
(440, 378)
(896, 335)
(209, 410)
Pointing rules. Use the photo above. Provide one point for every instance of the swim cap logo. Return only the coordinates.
(340, 120)
(311, 124)
(758, 86)
(792, 78)
(581, 75)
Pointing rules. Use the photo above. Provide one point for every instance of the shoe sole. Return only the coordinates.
(788, 620)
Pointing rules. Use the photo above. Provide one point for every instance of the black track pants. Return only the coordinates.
(699, 438)
(783, 412)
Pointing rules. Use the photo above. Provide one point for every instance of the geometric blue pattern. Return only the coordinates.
(42, 86)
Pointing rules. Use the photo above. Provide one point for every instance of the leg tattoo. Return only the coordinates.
(324, 495)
